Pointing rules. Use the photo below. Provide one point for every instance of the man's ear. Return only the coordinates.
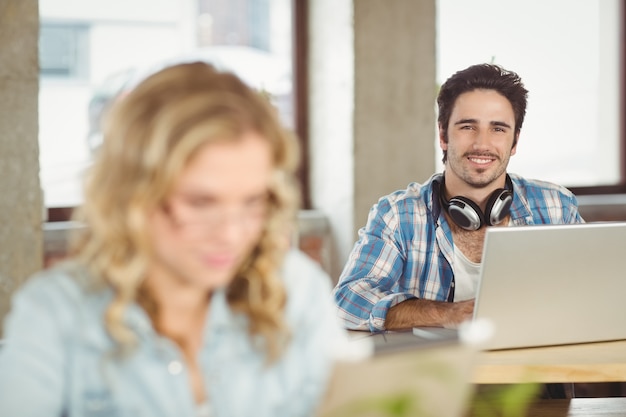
(443, 143)
(515, 141)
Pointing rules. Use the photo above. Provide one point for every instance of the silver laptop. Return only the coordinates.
(553, 284)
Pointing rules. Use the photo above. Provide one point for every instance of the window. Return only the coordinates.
(107, 41)
(568, 55)
(63, 51)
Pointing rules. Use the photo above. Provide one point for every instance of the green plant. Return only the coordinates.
(504, 400)
(399, 405)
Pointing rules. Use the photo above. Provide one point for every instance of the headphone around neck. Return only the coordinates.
(466, 213)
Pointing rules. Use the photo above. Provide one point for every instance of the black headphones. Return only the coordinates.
(465, 213)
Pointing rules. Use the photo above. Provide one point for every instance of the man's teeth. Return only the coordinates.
(480, 160)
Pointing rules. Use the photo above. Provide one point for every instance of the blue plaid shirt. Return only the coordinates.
(405, 250)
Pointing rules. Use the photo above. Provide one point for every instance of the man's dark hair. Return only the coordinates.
(487, 77)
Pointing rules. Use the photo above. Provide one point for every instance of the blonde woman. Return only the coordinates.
(182, 297)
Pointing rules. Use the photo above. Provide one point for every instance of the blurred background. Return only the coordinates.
(356, 81)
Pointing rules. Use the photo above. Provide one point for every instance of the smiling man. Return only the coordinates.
(417, 259)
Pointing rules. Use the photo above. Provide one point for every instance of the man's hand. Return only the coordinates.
(416, 312)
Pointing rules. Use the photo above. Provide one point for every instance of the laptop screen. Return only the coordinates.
(553, 284)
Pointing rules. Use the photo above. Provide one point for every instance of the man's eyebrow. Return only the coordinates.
(465, 121)
(502, 124)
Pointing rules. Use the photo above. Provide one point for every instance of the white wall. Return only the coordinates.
(331, 104)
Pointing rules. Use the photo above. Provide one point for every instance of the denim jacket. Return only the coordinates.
(56, 358)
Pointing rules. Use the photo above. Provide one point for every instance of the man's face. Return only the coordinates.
(215, 214)
(481, 133)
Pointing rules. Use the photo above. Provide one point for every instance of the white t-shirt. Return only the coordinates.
(465, 276)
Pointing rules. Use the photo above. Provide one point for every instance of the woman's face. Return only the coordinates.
(214, 216)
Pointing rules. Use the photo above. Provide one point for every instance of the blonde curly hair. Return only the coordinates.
(149, 138)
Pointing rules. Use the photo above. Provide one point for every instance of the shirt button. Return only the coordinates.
(175, 367)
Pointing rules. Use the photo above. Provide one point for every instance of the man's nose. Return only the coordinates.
(481, 139)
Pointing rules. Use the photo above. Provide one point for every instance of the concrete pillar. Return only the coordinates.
(372, 88)
(394, 86)
(21, 205)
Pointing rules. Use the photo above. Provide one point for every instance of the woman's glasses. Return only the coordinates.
(201, 216)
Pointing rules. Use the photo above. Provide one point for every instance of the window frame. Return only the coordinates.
(300, 64)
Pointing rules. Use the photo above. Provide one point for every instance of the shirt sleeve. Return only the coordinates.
(369, 284)
(32, 364)
(573, 214)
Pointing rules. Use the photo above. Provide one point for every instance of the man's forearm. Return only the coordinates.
(418, 312)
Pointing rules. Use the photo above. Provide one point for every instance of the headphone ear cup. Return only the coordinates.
(465, 213)
(498, 206)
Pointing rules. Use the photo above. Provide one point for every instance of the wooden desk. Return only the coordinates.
(585, 362)
(582, 363)
(588, 362)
